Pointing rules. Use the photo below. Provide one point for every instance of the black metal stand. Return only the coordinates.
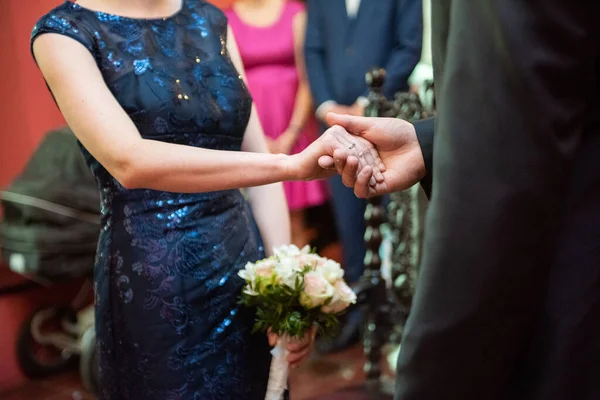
(386, 310)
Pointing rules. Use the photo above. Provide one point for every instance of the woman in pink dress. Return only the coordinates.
(270, 37)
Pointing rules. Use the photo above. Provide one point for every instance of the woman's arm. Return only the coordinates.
(108, 133)
(303, 104)
(268, 201)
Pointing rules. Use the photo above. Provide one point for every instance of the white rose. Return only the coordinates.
(317, 290)
(287, 270)
(249, 291)
(286, 251)
(331, 270)
(290, 263)
(343, 296)
(248, 273)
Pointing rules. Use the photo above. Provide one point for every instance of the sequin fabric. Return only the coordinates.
(166, 284)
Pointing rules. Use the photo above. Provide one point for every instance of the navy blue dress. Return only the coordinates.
(166, 283)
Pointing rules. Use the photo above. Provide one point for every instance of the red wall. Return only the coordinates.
(27, 112)
(26, 108)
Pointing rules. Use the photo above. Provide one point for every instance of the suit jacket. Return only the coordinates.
(425, 133)
(339, 51)
(508, 298)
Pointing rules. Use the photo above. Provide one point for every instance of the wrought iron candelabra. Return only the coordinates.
(386, 310)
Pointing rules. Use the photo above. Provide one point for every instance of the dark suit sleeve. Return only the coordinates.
(425, 131)
(407, 49)
(518, 81)
(314, 54)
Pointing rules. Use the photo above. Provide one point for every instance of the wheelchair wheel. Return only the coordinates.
(39, 360)
(88, 364)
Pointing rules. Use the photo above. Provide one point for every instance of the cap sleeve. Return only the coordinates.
(216, 16)
(66, 25)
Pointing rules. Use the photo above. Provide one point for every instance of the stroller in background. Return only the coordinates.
(49, 233)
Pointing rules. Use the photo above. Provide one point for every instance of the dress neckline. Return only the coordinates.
(98, 12)
(269, 26)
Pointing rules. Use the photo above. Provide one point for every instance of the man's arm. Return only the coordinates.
(407, 50)
(518, 81)
(314, 54)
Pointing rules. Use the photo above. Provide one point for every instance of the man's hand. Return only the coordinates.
(305, 165)
(397, 144)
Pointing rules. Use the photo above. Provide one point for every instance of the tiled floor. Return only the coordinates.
(337, 377)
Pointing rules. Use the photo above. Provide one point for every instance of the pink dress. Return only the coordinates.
(268, 56)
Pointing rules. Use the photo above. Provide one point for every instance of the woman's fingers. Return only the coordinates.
(349, 172)
(326, 162)
(362, 187)
(378, 159)
(294, 359)
(300, 349)
(364, 150)
(340, 157)
(306, 341)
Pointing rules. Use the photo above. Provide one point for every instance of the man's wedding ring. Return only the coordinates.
(353, 145)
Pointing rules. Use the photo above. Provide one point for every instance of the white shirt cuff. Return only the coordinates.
(324, 108)
(363, 101)
(421, 73)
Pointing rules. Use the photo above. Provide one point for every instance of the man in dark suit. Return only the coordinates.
(344, 39)
(508, 299)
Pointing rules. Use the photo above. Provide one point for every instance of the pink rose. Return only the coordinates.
(265, 269)
(317, 290)
(343, 296)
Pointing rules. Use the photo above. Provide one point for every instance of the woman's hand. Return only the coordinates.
(299, 349)
(305, 166)
(398, 145)
(286, 141)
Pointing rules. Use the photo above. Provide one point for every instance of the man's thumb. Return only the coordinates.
(351, 123)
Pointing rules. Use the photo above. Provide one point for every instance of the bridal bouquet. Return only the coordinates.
(292, 291)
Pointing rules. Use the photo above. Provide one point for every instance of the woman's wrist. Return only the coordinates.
(291, 166)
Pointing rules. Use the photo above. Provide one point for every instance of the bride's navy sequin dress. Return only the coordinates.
(167, 318)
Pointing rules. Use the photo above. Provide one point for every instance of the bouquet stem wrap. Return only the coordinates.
(292, 292)
(278, 374)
